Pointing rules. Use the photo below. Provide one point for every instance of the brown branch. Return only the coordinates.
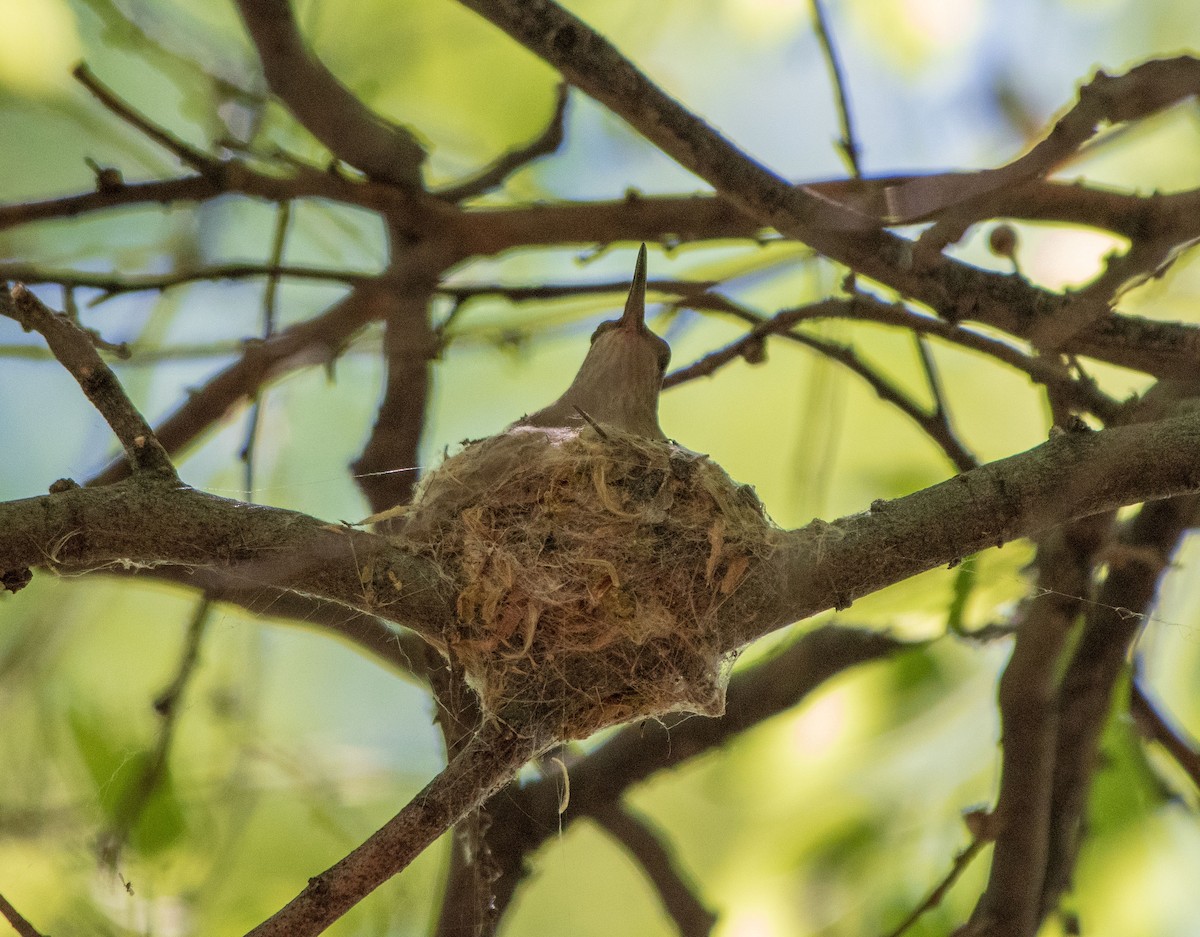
(956, 290)
(283, 217)
(316, 340)
(486, 764)
(329, 110)
(188, 154)
(644, 845)
(862, 307)
(1154, 725)
(1029, 703)
(1142, 91)
(933, 423)
(549, 291)
(549, 140)
(1144, 259)
(821, 566)
(148, 521)
(385, 472)
(1113, 622)
(1072, 475)
(939, 891)
(112, 285)
(19, 924)
(399, 649)
(525, 818)
(75, 351)
(166, 705)
(848, 144)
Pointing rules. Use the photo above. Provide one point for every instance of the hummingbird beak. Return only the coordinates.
(634, 318)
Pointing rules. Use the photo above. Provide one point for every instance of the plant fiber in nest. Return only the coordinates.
(590, 568)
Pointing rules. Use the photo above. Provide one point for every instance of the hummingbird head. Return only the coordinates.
(620, 379)
(629, 335)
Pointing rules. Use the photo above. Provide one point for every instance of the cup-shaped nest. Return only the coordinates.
(590, 568)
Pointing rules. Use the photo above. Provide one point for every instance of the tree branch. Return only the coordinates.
(386, 470)
(645, 846)
(75, 351)
(848, 144)
(189, 155)
(486, 764)
(1114, 620)
(146, 521)
(329, 110)
(955, 290)
(1155, 726)
(545, 143)
(1029, 704)
(19, 924)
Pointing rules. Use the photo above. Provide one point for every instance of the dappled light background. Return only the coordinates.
(834, 819)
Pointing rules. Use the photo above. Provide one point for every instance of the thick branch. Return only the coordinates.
(144, 521)
(1112, 624)
(812, 569)
(1011, 904)
(1072, 475)
(386, 470)
(954, 289)
(549, 140)
(329, 110)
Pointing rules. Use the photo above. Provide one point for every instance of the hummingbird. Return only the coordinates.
(620, 379)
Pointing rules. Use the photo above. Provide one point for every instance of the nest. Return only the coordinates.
(590, 566)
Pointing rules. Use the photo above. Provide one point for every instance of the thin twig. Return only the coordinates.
(191, 156)
(549, 140)
(166, 704)
(863, 307)
(849, 142)
(20, 925)
(111, 285)
(941, 410)
(935, 897)
(74, 349)
(270, 295)
(750, 346)
(1155, 725)
(934, 425)
(645, 846)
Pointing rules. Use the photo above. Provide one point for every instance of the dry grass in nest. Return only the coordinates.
(590, 570)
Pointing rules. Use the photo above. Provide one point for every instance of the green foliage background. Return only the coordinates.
(835, 819)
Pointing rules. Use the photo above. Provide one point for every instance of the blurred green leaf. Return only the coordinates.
(119, 771)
